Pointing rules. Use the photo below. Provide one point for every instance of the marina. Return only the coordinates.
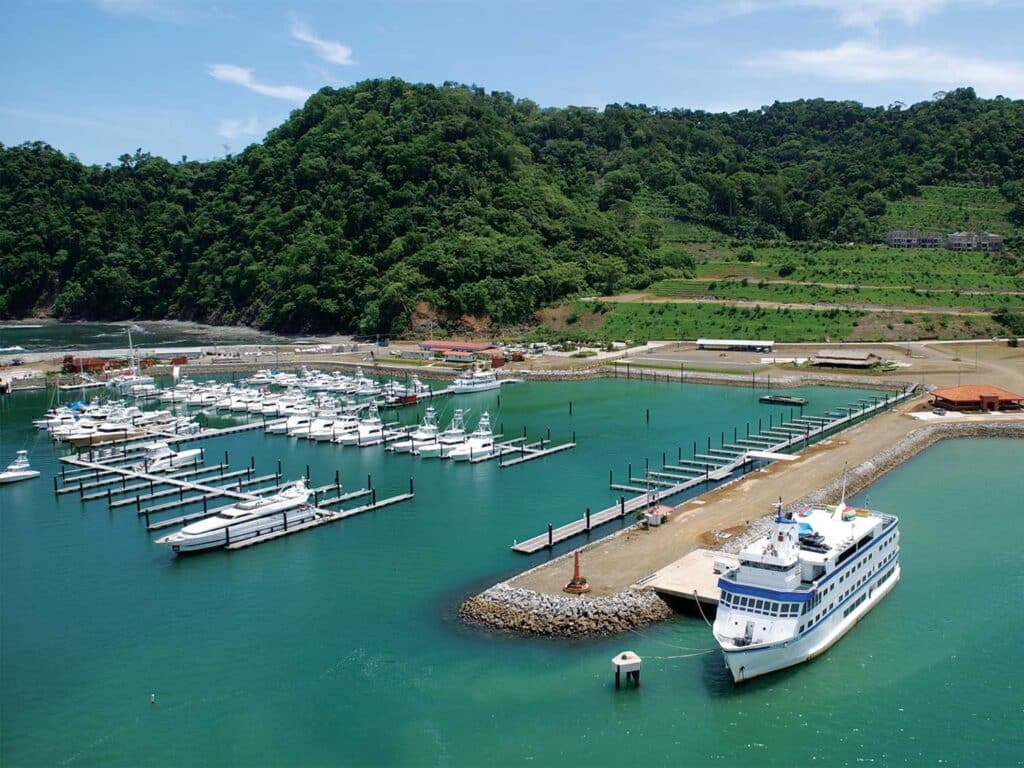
(384, 615)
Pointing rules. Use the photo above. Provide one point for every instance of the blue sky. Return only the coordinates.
(200, 77)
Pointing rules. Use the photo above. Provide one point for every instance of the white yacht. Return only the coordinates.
(244, 520)
(424, 433)
(475, 380)
(19, 469)
(799, 589)
(479, 443)
(454, 435)
(160, 458)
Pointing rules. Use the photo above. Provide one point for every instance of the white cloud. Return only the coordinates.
(243, 76)
(867, 62)
(328, 50)
(232, 129)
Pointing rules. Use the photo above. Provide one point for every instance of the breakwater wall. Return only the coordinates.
(515, 609)
(522, 610)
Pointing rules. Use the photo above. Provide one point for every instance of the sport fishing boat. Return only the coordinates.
(475, 380)
(245, 520)
(454, 435)
(424, 433)
(160, 458)
(18, 469)
(368, 431)
(803, 586)
(479, 443)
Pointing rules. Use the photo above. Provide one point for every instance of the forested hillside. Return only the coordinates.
(373, 198)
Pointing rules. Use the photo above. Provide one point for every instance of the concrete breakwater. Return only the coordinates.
(516, 609)
(523, 610)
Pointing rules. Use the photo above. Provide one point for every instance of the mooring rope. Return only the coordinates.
(700, 608)
(683, 656)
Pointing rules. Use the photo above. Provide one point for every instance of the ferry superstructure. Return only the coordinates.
(803, 586)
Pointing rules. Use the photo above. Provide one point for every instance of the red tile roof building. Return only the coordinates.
(977, 397)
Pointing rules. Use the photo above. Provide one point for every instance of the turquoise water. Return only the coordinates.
(342, 646)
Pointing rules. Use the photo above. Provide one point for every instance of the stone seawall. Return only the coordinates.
(521, 610)
(533, 613)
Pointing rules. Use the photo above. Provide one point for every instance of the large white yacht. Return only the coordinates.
(244, 520)
(799, 589)
(476, 380)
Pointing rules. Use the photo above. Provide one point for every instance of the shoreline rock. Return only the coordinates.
(525, 611)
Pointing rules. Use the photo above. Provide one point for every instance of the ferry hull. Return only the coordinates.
(746, 664)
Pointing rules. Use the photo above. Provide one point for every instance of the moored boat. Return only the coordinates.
(244, 520)
(803, 586)
(479, 443)
(475, 380)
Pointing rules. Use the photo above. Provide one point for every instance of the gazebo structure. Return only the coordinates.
(977, 397)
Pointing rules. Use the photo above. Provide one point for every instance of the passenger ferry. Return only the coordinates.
(803, 586)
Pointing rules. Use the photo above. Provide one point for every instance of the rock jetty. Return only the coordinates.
(528, 612)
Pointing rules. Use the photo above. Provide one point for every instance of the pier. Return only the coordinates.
(707, 468)
(241, 484)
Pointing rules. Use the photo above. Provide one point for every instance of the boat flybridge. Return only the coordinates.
(18, 470)
(369, 430)
(446, 440)
(799, 589)
(424, 433)
(479, 443)
(244, 520)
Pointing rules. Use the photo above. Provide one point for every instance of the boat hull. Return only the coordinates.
(216, 539)
(18, 476)
(748, 663)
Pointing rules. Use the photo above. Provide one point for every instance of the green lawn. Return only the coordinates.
(795, 293)
(642, 322)
(950, 209)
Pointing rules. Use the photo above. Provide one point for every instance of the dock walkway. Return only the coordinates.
(723, 467)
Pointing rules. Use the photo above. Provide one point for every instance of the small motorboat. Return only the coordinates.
(18, 469)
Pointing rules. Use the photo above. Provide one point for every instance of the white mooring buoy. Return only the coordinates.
(627, 662)
(152, 698)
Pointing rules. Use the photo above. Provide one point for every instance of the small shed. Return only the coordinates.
(846, 358)
(977, 397)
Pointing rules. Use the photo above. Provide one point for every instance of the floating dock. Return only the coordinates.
(709, 467)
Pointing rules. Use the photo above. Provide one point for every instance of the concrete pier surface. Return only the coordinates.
(615, 563)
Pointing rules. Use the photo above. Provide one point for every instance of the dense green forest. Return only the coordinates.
(374, 199)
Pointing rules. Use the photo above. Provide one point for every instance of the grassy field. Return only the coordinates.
(601, 321)
(796, 293)
(951, 209)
